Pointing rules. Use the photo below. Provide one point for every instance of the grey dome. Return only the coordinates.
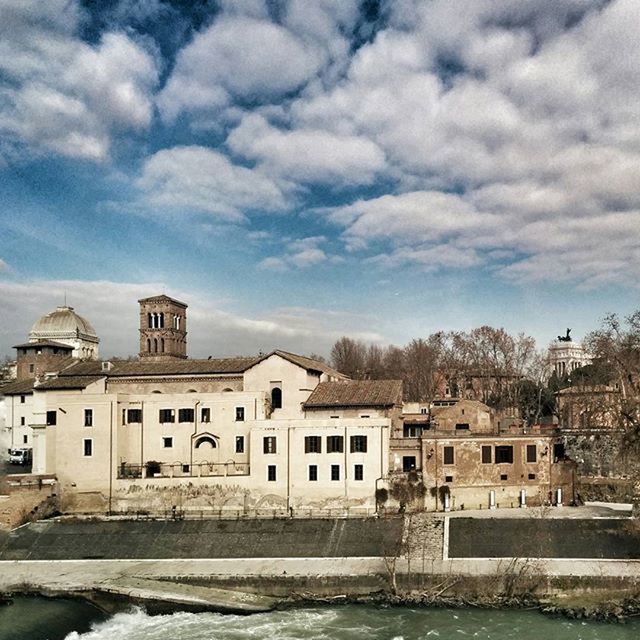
(64, 322)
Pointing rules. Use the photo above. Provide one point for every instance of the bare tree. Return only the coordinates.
(348, 356)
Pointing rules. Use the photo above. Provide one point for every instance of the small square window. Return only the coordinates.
(185, 468)
(32, 368)
(313, 444)
(239, 444)
(269, 444)
(271, 473)
(335, 472)
(134, 415)
(358, 444)
(186, 415)
(503, 476)
(313, 472)
(504, 454)
(167, 443)
(532, 476)
(88, 447)
(448, 478)
(88, 417)
(408, 463)
(167, 415)
(205, 414)
(358, 472)
(22, 398)
(239, 414)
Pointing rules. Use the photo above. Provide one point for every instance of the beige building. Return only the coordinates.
(466, 461)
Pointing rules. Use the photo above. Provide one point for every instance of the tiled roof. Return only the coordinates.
(122, 368)
(68, 382)
(356, 393)
(306, 363)
(18, 387)
(163, 298)
(43, 343)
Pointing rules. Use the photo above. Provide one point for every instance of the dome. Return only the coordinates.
(64, 322)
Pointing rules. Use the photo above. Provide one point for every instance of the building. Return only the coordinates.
(565, 356)
(466, 461)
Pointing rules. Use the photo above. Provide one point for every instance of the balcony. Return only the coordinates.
(127, 471)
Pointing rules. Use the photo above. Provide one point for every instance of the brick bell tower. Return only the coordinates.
(163, 329)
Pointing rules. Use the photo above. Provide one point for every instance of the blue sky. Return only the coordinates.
(297, 170)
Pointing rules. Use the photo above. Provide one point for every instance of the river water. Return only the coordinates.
(41, 619)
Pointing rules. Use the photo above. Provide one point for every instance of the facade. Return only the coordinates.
(466, 461)
(17, 406)
(276, 431)
(65, 326)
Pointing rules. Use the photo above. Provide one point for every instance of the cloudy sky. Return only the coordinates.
(297, 170)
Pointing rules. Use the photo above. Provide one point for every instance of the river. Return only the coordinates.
(41, 619)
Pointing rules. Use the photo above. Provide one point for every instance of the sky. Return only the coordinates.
(299, 170)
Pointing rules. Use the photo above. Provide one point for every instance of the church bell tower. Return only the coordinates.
(163, 329)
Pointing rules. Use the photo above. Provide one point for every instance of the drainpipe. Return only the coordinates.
(289, 469)
(195, 431)
(110, 454)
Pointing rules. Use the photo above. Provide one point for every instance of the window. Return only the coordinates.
(22, 398)
(503, 476)
(531, 453)
(423, 411)
(22, 421)
(32, 368)
(411, 431)
(134, 415)
(167, 415)
(185, 468)
(448, 455)
(25, 439)
(365, 416)
(88, 447)
(358, 472)
(269, 444)
(504, 454)
(486, 454)
(335, 444)
(52, 418)
(167, 443)
(313, 444)
(239, 444)
(558, 452)
(462, 426)
(408, 463)
(335, 472)
(271, 473)
(276, 398)
(88, 417)
(313, 473)
(358, 444)
(448, 478)
(205, 414)
(186, 415)
(532, 476)
(239, 414)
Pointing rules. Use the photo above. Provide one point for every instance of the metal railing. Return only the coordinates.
(127, 471)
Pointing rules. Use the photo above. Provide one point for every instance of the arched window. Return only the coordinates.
(155, 345)
(162, 345)
(206, 440)
(149, 323)
(276, 398)
(149, 345)
(226, 390)
(162, 320)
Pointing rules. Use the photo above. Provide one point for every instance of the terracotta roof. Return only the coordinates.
(68, 382)
(17, 387)
(356, 393)
(43, 343)
(125, 368)
(306, 363)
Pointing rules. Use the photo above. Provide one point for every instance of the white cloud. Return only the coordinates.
(307, 155)
(112, 309)
(300, 254)
(197, 179)
(63, 94)
(3, 266)
(238, 57)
